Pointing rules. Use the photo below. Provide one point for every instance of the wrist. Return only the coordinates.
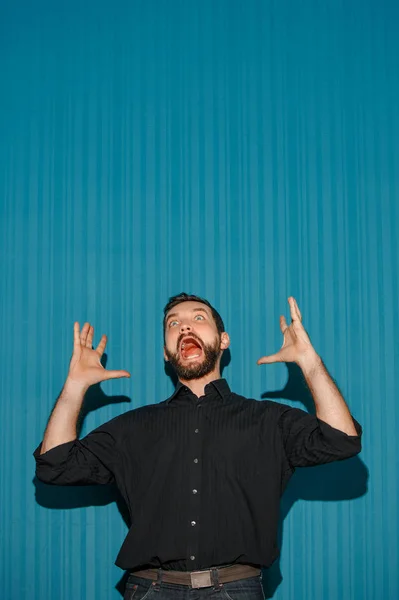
(74, 387)
(310, 363)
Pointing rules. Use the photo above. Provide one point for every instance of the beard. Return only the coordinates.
(196, 371)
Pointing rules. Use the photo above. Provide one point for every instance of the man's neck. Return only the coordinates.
(197, 386)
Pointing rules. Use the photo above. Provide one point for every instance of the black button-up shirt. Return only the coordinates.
(202, 477)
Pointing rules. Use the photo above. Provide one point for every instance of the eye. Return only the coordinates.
(173, 323)
(200, 317)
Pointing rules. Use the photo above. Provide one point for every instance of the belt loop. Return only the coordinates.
(160, 573)
(215, 577)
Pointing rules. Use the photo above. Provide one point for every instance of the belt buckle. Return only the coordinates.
(200, 579)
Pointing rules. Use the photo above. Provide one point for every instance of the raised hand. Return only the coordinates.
(296, 346)
(85, 367)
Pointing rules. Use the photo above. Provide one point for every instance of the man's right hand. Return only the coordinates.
(85, 368)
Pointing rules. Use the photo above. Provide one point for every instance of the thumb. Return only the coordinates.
(272, 358)
(116, 374)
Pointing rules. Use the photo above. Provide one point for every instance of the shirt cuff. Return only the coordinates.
(348, 444)
(54, 458)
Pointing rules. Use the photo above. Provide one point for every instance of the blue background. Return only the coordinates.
(243, 151)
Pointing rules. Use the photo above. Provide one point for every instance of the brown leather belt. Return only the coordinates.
(199, 579)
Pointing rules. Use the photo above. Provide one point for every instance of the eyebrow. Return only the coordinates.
(194, 310)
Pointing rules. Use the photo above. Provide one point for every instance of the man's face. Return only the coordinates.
(193, 344)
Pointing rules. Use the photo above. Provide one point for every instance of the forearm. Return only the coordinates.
(329, 402)
(62, 424)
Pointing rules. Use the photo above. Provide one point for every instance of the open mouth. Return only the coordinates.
(190, 349)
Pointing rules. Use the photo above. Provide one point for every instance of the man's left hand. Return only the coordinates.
(296, 346)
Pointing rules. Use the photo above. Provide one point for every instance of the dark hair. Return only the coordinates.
(183, 297)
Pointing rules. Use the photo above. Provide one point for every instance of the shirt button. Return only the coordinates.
(193, 523)
(195, 460)
(194, 491)
(192, 557)
(196, 430)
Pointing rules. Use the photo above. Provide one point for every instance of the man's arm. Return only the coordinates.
(330, 404)
(61, 427)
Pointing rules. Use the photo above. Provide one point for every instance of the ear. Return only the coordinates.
(165, 355)
(224, 341)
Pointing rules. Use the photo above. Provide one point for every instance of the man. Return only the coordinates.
(202, 472)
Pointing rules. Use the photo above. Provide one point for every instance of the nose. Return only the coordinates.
(184, 327)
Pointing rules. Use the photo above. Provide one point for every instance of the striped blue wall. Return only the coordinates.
(244, 151)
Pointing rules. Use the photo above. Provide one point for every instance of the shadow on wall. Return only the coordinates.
(343, 480)
(62, 497)
(65, 497)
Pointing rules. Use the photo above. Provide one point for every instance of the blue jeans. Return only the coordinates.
(138, 588)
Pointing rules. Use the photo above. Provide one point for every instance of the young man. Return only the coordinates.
(202, 472)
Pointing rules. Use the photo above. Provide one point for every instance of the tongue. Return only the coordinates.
(190, 349)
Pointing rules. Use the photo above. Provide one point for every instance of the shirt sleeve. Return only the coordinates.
(91, 460)
(309, 441)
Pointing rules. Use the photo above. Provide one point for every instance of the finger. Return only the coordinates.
(297, 310)
(83, 333)
(76, 335)
(116, 374)
(101, 346)
(89, 341)
(283, 324)
(272, 358)
(293, 310)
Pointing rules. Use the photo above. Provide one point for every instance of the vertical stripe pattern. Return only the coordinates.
(244, 151)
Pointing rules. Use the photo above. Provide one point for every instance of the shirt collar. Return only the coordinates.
(221, 386)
